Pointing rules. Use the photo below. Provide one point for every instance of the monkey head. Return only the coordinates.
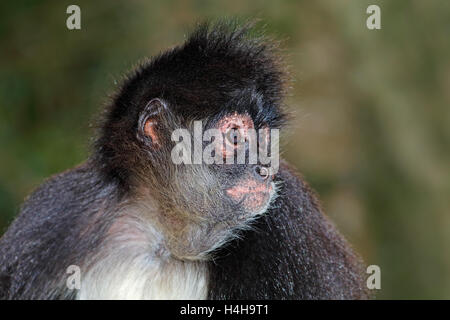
(219, 86)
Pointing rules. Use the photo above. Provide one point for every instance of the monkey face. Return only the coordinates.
(204, 200)
(150, 141)
(251, 185)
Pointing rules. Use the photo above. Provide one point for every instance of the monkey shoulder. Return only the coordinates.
(71, 194)
(294, 252)
(47, 233)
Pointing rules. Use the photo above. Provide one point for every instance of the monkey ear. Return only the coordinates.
(150, 121)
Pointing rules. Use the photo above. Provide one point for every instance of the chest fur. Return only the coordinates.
(142, 277)
(132, 264)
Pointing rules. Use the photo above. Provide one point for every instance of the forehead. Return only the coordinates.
(245, 106)
(235, 120)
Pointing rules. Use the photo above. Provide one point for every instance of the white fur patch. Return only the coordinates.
(132, 264)
(141, 277)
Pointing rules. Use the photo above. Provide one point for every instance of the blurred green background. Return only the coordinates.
(372, 109)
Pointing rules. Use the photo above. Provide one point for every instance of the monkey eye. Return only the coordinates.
(234, 136)
(235, 129)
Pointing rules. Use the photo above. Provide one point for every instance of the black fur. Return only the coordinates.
(294, 253)
(220, 69)
(49, 234)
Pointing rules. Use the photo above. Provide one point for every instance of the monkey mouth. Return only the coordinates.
(254, 197)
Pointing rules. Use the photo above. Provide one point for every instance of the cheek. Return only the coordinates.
(252, 194)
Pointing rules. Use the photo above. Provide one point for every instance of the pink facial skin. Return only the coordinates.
(240, 122)
(253, 194)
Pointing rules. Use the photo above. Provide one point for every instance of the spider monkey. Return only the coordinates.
(140, 226)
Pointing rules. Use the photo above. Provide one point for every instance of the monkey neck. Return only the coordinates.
(174, 231)
(134, 263)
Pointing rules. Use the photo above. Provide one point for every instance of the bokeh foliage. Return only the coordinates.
(372, 109)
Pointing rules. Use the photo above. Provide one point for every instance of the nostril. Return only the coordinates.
(262, 172)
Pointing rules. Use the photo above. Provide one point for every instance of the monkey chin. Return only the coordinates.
(254, 196)
(205, 239)
(254, 201)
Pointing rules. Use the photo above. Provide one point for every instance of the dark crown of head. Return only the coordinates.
(221, 68)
